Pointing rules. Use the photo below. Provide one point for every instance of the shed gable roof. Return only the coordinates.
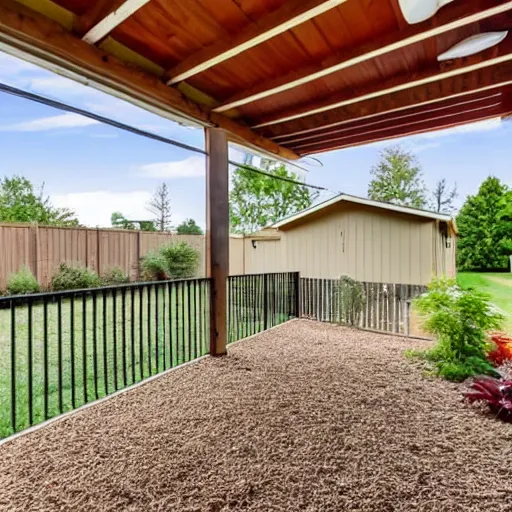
(416, 212)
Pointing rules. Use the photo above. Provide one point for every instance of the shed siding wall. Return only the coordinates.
(363, 244)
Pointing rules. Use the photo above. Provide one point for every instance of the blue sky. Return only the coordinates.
(95, 169)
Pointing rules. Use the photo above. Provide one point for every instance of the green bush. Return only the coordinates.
(22, 282)
(70, 277)
(350, 300)
(113, 276)
(175, 261)
(154, 267)
(458, 319)
(182, 260)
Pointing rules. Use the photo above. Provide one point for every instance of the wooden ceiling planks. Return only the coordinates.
(350, 55)
(468, 84)
(406, 131)
(483, 106)
(261, 54)
(433, 73)
(379, 120)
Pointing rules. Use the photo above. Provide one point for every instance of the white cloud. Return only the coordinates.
(192, 167)
(480, 126)
(61, 121)
(95, 208)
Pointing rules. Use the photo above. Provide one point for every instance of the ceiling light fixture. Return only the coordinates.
(474, 44)
(416, 11)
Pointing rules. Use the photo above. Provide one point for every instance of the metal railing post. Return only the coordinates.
(265, 302)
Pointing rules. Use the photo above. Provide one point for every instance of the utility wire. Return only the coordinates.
(282, 178)
(37, 98)
(91, 115)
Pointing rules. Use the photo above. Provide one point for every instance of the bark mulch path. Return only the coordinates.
(308, 417)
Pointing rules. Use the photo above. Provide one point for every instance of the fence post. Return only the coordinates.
(35, 251)
(296, 281)
(98, 237)
(265, 302)
(138, 256)
(408, 317)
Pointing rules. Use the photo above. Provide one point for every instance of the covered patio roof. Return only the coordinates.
(290, 77)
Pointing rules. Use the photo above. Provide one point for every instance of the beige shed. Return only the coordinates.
(367, 240)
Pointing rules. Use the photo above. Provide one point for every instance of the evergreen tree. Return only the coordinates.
(483, 228)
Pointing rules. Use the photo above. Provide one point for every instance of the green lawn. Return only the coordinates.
(498, 286)
(106, 345)
(109, 343)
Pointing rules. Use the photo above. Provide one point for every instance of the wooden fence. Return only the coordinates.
(42, 249)
(385, 307)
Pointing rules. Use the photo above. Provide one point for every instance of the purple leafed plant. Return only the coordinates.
(497, 393)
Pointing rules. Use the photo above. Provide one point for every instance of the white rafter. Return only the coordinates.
(254, 41)
(377, 52)
(398, 117)
(383, 92)
(112, 20)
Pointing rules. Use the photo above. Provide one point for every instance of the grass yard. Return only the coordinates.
(107, 343)
(497, 285)
(110, 342)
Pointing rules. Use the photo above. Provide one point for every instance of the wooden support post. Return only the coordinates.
(217, 235)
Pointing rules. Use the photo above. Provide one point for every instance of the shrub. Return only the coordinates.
(350, 300)
(22, 282)
(458, 319)
(113, 276)
(154, 267)
(496, 393)
(175, 261)
(69, 277)
(181, 259)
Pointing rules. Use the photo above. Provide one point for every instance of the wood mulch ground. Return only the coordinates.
(308, 417)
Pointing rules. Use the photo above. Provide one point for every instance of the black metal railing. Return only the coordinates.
(384, 307)
(260, 301)
(61, 350)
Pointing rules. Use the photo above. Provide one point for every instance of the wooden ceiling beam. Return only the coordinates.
(493, 104)
(291, 14)
(29, 35)
(103, 16)
(396, 117)
(439, 71)
(432, 126)
(464, 86)
(449, 18)
(396, 103)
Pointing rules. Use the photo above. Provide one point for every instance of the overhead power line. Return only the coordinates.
(282, 178)
(37, 98)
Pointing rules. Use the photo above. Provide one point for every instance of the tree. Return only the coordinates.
(443, 197)
(484, 229)
(257, 200)
(21, 202)
(160, 207)
(118, 220)
(189, 227)
(397, 178)
(504, 230)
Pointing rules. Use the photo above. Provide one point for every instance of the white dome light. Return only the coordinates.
(473, 44)
(416, 11)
